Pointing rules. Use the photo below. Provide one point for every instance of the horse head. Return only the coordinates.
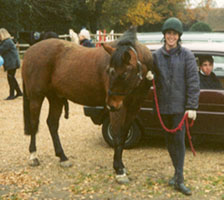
(125, 73)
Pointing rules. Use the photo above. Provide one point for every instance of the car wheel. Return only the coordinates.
(133, 137)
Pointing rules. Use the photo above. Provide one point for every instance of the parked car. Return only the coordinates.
(157, 37)
(210, 114)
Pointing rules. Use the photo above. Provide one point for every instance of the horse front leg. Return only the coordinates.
(117, 120)
(55, 111)
(121, 121)
(121, 172)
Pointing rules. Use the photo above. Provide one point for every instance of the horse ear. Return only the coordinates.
(126, 57)
(133, 58)
(109, 49)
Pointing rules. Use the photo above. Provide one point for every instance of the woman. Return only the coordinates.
(177, 85)
(11, 62)
(84, 38)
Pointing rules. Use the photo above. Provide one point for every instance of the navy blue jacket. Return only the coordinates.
(10, 54)
(209, 82)
(177, 80)
(86, 43)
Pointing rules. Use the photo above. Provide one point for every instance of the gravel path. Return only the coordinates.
(92, 175)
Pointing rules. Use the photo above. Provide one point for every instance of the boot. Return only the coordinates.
(19, 94)
(183, 189)
(10, 97)
(11, 88)
(11, 93)
(172, 181)
(16, 87)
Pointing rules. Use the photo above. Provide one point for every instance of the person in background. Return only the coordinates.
(208, 79)
(177, 87)
(84, 38)
(11, 63)
(73, 36)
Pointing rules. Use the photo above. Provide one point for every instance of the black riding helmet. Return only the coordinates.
(173, 23)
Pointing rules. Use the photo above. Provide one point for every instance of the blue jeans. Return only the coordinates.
(176, 144)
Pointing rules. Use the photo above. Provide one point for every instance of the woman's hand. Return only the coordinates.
(192, 114)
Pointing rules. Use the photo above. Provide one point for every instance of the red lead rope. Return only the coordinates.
(185, 118)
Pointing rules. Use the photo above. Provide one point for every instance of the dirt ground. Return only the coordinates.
(92, 175)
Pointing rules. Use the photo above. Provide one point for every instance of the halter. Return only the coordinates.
(139, 64)
(139, 74)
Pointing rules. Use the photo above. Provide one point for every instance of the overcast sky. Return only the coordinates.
(220, 3)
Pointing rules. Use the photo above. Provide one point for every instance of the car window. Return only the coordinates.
(218, 69)
(218, 65)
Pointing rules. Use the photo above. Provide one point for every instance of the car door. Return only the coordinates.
(210, 114)
(147, 115)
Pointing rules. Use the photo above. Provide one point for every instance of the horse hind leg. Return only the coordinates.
(34, 114)
(55, 111)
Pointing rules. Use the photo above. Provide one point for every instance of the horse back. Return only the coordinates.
(70, 70)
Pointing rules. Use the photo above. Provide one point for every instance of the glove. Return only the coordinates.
(192, 114)
(150, 75)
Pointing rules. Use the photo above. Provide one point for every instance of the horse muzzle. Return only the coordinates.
(112, 108)
(114, 103)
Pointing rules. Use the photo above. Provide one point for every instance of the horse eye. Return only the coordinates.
(110, 71)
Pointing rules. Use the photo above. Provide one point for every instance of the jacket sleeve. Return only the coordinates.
(154, 66)
(192, 82)
(5, 46)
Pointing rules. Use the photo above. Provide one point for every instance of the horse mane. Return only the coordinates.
(127, 40)
(129, 37)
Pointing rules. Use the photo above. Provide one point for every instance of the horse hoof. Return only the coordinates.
(65, 164)
(122, 179)
(34, 162)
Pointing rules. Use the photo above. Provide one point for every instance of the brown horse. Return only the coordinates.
(113, 76)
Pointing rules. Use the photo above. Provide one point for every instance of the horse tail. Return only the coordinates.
(26, 112)
(66, 107)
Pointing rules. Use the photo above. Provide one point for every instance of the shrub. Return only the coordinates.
(201, 27)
